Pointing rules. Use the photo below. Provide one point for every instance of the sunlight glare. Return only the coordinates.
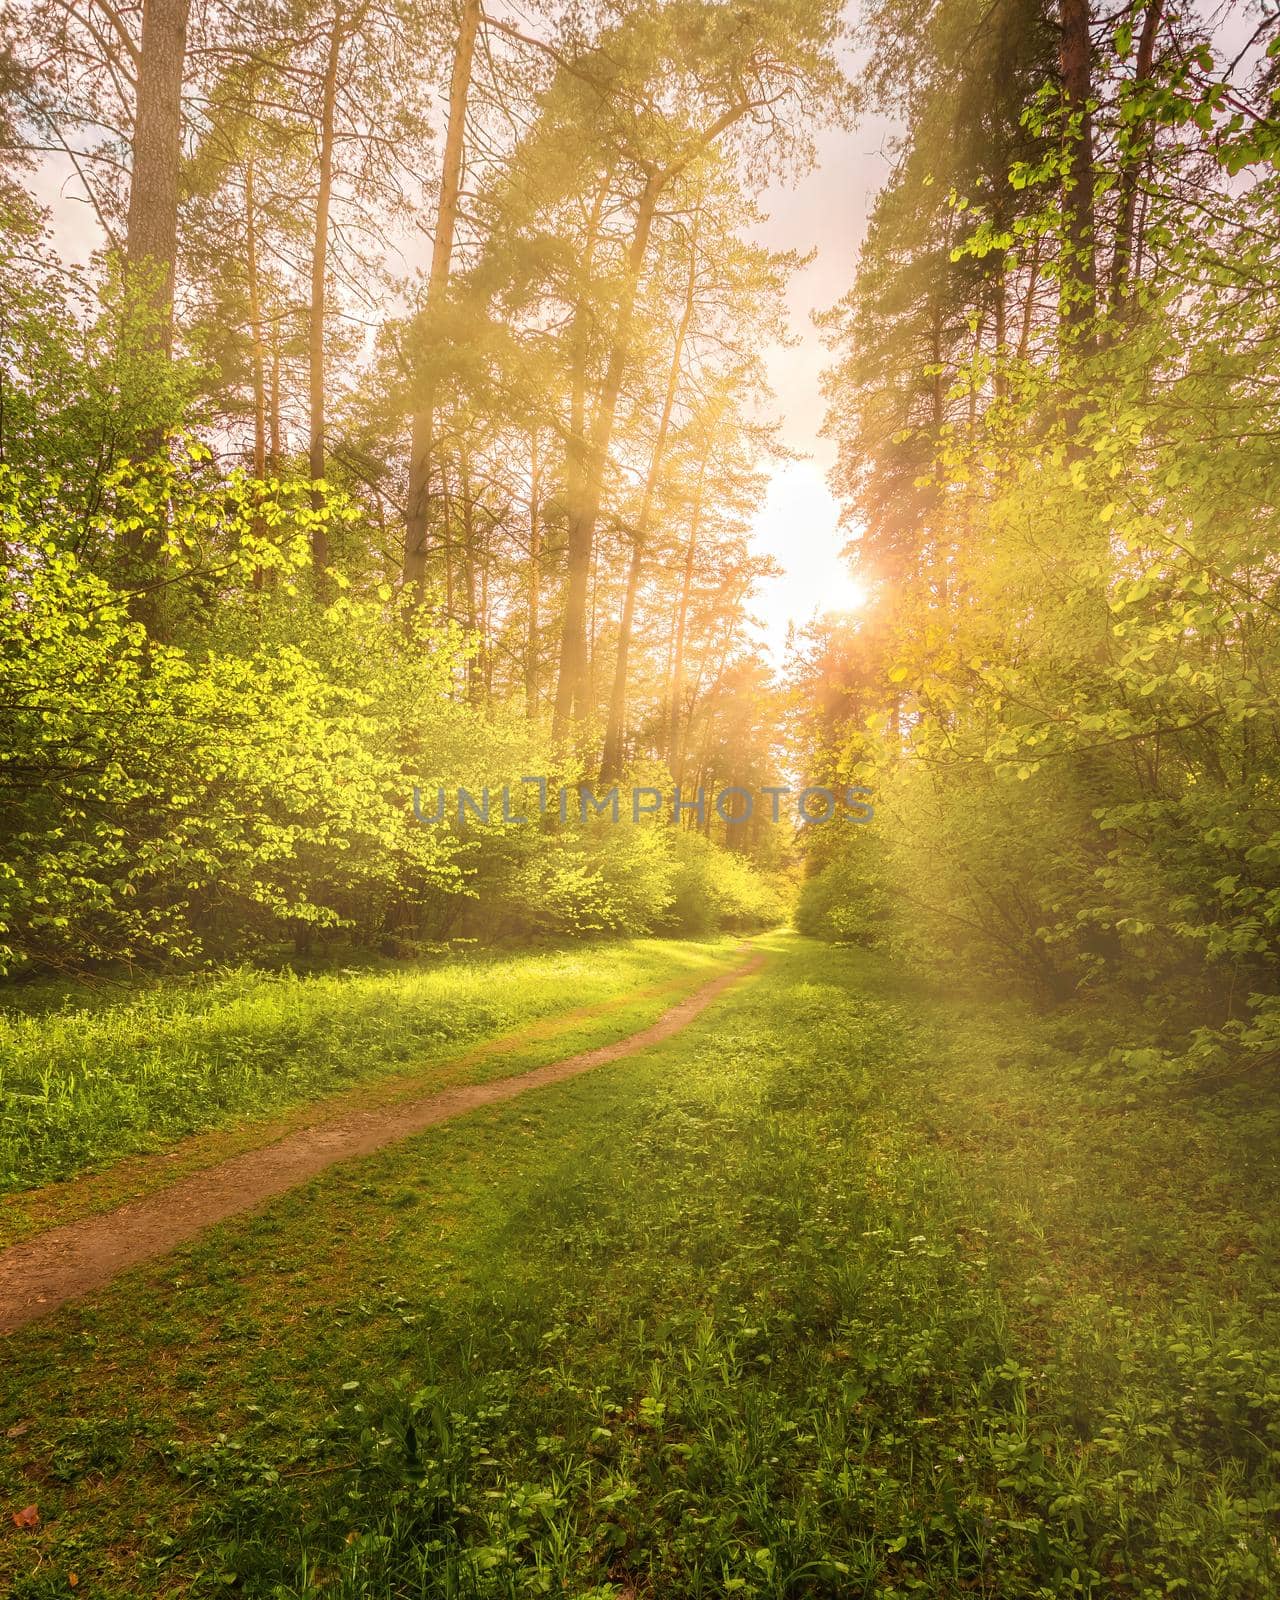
(799, 526)
(847, 595)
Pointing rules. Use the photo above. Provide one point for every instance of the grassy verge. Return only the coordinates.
(88, 1084)
(844, 1291)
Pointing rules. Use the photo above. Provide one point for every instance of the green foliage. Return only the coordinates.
(84, 390)
(172, 801)
(1067, 702)
(843, 899)
(602, 879)
(218, 694)
(714, 888)
(1091, 793)
(164, 800)
(616, 878)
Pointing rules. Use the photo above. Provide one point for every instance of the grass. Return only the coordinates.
(90, 1082)
(849, 1290)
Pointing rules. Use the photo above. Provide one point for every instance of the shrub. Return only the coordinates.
(715, 888)
(842, 900)
(166, 802)
(604, 878)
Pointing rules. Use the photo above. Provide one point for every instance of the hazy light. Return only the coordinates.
(798, 525)
(850, 595)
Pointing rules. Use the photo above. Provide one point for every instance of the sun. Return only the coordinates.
(798, 524)
(846, 594)
(857, 595)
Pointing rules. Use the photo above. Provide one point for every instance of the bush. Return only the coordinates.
(170, 801)
(166, 802)
(714, 888)
(842, 901)
(612, 878)
(606, 878)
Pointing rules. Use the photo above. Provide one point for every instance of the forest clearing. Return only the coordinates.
(849, 1286)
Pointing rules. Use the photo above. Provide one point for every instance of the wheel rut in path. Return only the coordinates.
(44, 1272)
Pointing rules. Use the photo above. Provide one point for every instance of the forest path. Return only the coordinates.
(44, 1272)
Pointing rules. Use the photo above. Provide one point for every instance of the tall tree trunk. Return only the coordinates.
(933, 553)
(319, 275)
(448, 542)
(474, 662)
(416, 509)
(1080, 280)
(1029, 302)
(535, 579)
(1000, 293)
(257, 352)
(937, 387)
(732, 599)
(571, 686)
(257, 358)
(151, 235)
(274, 457)
(486, 654)
(978, 332)
(674, 730)
(576, 448)
(1122, 256)
(611, 761)
(151, 242)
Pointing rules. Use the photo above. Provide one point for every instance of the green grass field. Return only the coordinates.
(88, 1078)
(848, 1290)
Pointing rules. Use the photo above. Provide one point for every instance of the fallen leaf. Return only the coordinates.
(72, 1579)
(28, 1517)
(18, 1429)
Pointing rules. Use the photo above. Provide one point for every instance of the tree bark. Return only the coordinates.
(674, 751)
(1122, 256)
(576, 449)
(257, 352)
(151, 242)
(1029, 302)
(275, 453)
(571, 687)
(732, 598)
(257, 357)
(611, 761)
(416, 509)
(475, 662)
(1000, 295)
(573, 683)
(151, 236)
(447, 544)
(319, 275)
(1080, 280)
(535, 580)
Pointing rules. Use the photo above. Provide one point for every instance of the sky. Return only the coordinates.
(825, 211)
